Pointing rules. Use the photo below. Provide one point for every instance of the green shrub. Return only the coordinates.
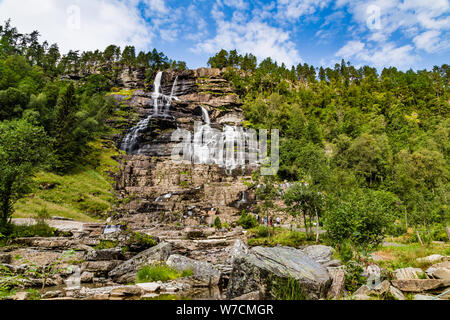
(160, 272)
(263, 231)
(362, 216)
(217, 223)
(247, 221)
(353, 278)
(40, 229)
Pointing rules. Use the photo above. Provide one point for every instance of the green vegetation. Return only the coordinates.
(347, 131)
(259, 237)
(353, 278)
(288, 289)
(217, 223)
(106, 244)
(84, 194)
(160, 272)
(247, 221)
(396, 257)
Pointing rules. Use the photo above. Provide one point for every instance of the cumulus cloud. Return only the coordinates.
(88, 25)
(378, 56)
(430, 41)
(254, 37)
(294, 9)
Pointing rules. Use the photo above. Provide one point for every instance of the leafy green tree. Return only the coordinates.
(361, 216)
(303, 199)
(24, 149)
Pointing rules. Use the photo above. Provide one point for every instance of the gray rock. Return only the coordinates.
(420, 285)
(104, 255)
(128, 269)
(255, 295)
(204, 273)
(87, 277)
(422, 297)
(433, 258)
(379, 289)
(363, 290)
(127, 291)
(319, 253)
(238, 248)
(338, 286)
(397, 294)
(263, 267)
(382, 288)
(440, 270)
(407, 273)
(149, 286)
(99, 268)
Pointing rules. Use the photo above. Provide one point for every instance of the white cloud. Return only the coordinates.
(101, 23)
(238, 4)
(430, 41)
(294, 9)
(157, 6)
(351, 49)
(379, 56)
(254, 37)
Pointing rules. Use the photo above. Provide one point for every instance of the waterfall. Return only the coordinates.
(206, 116)
(130, 142)
(156, 92)
(171, 97)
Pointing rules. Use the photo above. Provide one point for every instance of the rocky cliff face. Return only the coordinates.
(154, 188)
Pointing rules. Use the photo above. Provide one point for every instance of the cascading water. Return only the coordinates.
(131, 143)
(156, 93)
(207, 142)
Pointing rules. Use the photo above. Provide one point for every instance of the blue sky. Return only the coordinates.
(401, 33)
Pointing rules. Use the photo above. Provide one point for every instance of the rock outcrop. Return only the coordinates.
(204, 274)
(126, 271)
(262, 268)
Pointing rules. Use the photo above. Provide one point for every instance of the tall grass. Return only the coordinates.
(160, 272)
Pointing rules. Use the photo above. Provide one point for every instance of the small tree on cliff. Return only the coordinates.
(24, 149)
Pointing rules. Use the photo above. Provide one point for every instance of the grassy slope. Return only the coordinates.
(83, 195)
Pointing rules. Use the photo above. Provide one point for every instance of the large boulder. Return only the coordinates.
(204, 273)
(127, 270)
(263, 268)
(319, 253)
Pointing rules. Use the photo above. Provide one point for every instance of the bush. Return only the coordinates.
(362, 217)
(353, 278)
(40, 229)
(263, 231)
(160, 272)
(247, 221)
(217, 223)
